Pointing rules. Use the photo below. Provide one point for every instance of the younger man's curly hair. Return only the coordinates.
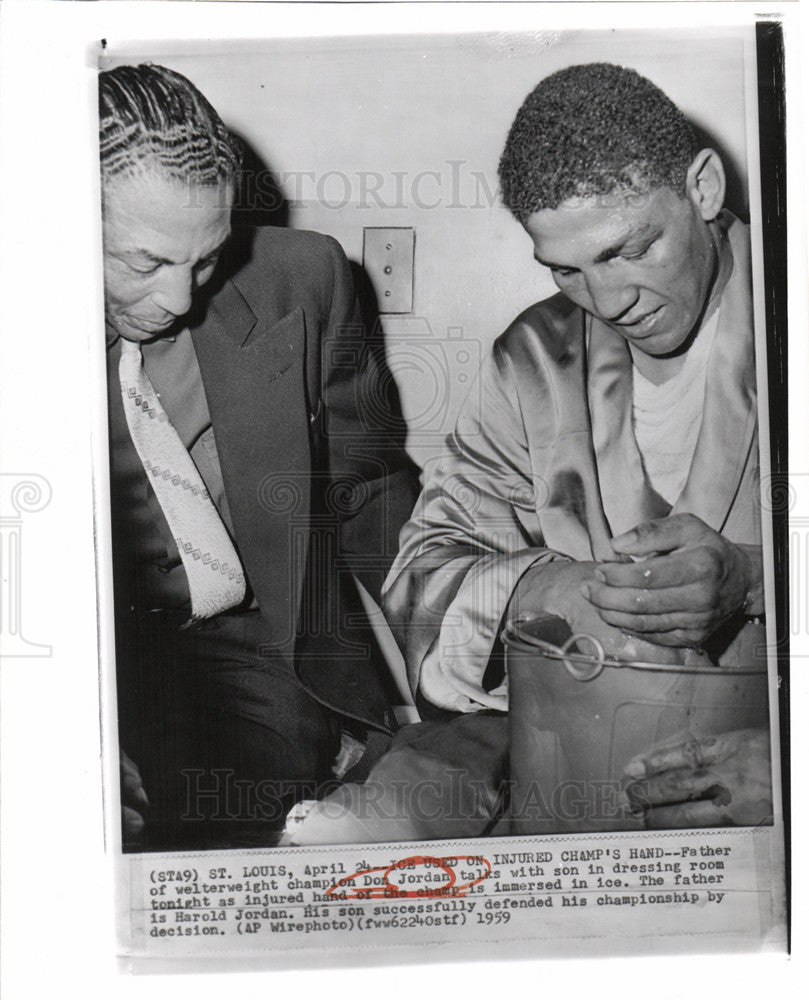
(590, 130)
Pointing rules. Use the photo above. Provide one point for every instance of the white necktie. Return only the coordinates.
(215, 575)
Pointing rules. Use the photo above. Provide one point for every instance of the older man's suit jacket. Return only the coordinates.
(543, 465)
(317, 484)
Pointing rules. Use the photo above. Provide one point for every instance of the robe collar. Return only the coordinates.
(729, 412)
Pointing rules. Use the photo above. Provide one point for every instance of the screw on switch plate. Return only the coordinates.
(387, 256)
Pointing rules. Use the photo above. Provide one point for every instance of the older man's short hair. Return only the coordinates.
(593, 130)
(152, 118)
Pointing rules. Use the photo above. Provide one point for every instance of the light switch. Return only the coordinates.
(387, 256)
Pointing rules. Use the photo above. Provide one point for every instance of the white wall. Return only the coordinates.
(346, 125)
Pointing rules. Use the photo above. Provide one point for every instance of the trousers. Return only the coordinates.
(224, 736)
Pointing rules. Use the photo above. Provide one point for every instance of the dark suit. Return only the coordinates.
(317, 487)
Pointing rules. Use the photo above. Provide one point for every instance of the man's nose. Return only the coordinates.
(175, 290)
(611, 294)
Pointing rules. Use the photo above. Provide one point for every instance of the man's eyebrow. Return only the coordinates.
(553, 267)
(641, 233)
(647, 229)
(218, 248)
(146, 255)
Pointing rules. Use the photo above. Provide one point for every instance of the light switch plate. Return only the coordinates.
(387, 256)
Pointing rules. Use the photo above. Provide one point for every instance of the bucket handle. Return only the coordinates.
(587, 666)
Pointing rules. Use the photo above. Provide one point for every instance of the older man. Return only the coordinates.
(605, 470)
(251, 482)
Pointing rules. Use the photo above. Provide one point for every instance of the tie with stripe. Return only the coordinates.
(214, 571)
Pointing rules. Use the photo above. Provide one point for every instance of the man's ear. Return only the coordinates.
(705, 183)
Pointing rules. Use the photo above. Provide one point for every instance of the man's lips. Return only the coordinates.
(642, 323)
(148, 326)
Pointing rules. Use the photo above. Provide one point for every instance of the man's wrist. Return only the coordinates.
(532, 588)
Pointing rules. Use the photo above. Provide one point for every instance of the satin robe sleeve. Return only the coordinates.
(473, 534)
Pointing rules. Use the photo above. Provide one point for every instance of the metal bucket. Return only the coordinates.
(575, 722)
